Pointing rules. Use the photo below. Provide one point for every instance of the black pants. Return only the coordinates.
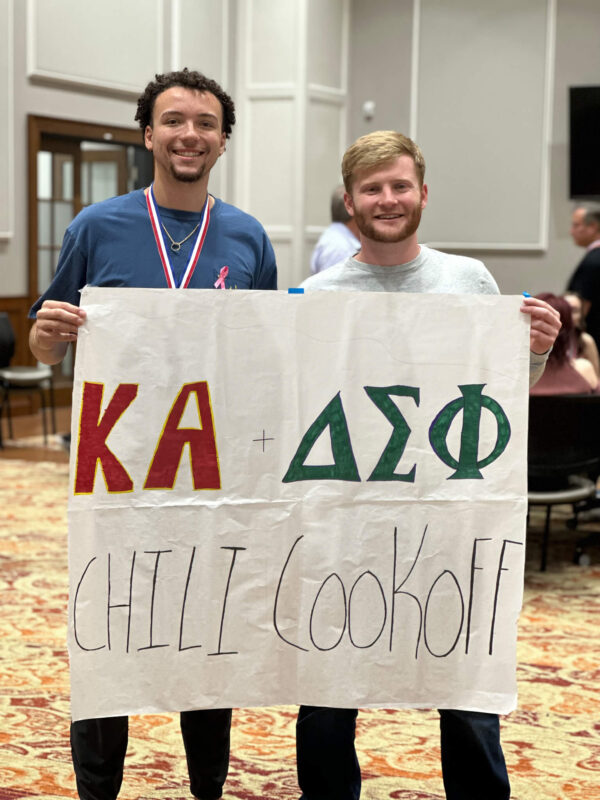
(472, 761)
(99, 746)
(326, 758)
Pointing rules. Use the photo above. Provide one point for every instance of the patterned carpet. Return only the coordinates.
(552, 742)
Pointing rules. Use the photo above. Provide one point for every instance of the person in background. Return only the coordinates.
(172, 234)
(385, 193)
(584, 345)
(585, 232)
(338, 240)
(565, 374)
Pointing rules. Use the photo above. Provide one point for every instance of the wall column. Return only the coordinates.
(291, 96)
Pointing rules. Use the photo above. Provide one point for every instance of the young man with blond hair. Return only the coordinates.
(383, 175)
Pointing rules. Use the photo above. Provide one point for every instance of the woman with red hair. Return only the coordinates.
(564, 374)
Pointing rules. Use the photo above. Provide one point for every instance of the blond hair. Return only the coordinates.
(375, 149)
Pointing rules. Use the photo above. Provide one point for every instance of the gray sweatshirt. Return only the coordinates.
(431, 272)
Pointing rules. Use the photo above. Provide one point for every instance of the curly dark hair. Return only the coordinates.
(190, 79)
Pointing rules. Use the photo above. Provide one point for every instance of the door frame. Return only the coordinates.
(39, 126)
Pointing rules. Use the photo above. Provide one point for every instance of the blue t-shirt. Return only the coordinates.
(111, 243)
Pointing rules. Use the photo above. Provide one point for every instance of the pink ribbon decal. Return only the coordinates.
(220, 282)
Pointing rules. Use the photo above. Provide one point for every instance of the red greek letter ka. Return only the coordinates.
(203, 449)
(93, 433)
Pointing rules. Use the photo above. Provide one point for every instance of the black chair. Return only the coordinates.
(563, 460)
(22, 379)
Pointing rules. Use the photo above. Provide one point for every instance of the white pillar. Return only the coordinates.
(291, 97)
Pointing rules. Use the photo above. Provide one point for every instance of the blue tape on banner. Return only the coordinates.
(296, 291)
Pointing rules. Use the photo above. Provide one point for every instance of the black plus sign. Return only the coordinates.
(264, 439)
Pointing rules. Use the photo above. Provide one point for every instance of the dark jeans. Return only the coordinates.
(472, 761)
(99, 745)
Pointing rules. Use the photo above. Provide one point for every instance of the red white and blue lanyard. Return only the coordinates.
(162, 250)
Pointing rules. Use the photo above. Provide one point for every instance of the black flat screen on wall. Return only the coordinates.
(584, 143)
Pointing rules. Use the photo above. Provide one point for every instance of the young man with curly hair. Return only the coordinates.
(171, 234)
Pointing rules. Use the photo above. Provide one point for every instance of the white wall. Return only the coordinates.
(291, 95)
(285, 64)
(576, 62)
(70, 64)
(482, 119)
(7, 175)
(380, 65)
(288, 185)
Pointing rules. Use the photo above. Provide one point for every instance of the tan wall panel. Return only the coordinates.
(6, 121)
(380, 65)
(198, 31)
(270, 160)
(92, 45)
(323, 160)
(326, 31)
(273, 41)
(483, 121)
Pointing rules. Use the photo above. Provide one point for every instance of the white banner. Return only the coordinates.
(313, 498)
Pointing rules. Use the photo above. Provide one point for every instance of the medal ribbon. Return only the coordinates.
(162, 250)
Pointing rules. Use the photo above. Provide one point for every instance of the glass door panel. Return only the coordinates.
(55, 201)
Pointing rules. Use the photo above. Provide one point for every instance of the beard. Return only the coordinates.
(368, 229)
(188, 177)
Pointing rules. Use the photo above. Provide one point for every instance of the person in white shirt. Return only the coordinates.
(339, 240)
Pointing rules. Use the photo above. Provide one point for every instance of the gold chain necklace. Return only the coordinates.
(176, 246)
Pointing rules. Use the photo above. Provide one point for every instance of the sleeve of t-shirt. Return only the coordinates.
(266, 273)
(70, 276)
